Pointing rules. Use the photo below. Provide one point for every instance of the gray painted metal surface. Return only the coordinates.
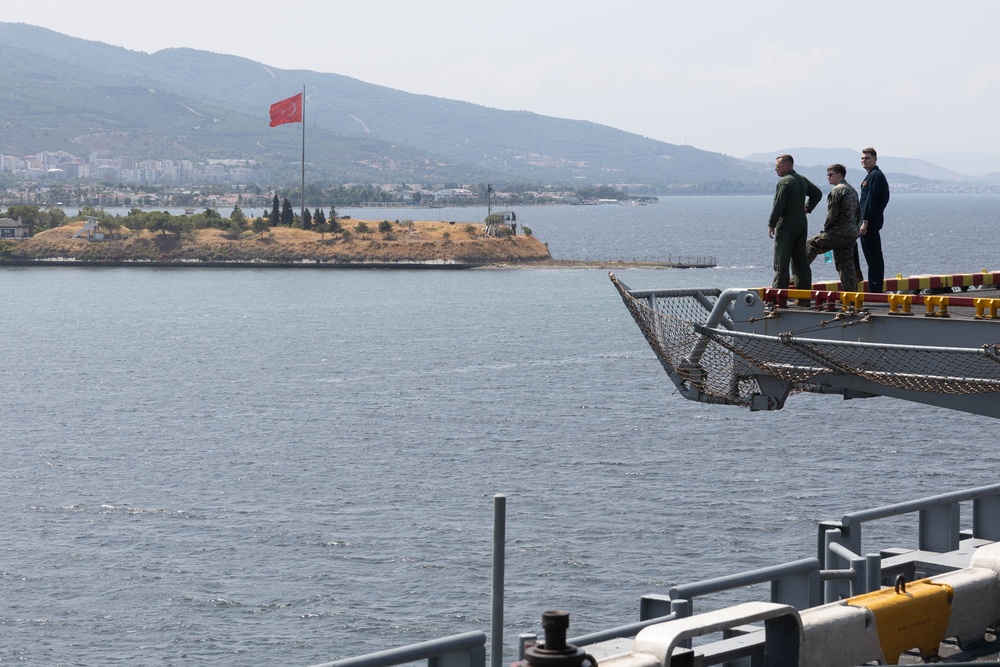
(464, 650)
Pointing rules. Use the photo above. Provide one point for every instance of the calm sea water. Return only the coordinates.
(294, 466)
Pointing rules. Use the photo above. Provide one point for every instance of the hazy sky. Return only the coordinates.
(737, 77)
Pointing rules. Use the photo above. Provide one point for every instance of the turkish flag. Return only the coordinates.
(287, 111)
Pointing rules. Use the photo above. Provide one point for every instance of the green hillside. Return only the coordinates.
(79, 96)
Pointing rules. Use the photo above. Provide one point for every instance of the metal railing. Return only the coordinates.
(839, 563)
(796, 583)
(464, 650)
(939, 518)
(939, 528)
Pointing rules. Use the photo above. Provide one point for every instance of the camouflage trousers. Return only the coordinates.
(841, 242)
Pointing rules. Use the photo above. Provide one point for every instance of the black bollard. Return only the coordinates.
(555, 652)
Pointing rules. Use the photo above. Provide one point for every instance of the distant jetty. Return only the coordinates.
(616, 264)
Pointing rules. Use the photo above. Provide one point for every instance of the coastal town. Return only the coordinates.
(105, 180)
(60, 179)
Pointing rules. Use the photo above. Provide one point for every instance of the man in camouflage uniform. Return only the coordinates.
(841, 229)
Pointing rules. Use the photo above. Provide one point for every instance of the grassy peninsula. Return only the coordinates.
(408, 243)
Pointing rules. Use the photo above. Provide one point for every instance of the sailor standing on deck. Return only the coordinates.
(840, 232)
(874, 199)
(788, 225)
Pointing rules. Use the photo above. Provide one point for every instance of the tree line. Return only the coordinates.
(123, 195)
(163, 222)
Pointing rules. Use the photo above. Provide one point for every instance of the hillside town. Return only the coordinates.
(60, 179)
(57, 166)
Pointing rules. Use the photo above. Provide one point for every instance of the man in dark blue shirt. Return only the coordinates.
(874, 198)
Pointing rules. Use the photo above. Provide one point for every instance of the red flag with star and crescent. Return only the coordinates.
(287, 111)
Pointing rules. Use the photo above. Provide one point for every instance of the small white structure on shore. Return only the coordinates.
(503, 219)
(90, 230)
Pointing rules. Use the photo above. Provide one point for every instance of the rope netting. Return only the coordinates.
(717, 360)
(669, 327)
(940, 370)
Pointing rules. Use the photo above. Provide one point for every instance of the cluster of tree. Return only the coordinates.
(350, 195)
(282, 215)
(164, 223)
(601, 192)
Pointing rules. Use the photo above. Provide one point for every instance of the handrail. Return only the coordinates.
(911, 506)
(741, 579)
(801, 596)
(469, 648)
(939, 519)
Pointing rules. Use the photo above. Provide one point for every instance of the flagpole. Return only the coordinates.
(302, 208)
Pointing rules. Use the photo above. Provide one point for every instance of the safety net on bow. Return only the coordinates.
(722, 364)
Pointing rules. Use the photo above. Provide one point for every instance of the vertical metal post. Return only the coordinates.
(859, 581)
(873, 572)
(986, 518)
(682, 609)
(939, 528)
(830, 562)
(499, 545)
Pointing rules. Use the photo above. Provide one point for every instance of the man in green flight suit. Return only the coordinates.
(788, 226)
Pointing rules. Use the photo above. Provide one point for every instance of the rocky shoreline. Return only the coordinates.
(413, 245)
(420, 245)
(429, 265)
(236, 264)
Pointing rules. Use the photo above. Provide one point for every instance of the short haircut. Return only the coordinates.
(786, 158)
(870, 151)
(839, 168)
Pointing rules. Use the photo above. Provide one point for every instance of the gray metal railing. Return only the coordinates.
(464, 650)
(796, 583)
(939, 519)
(939, 526)
(863, 573)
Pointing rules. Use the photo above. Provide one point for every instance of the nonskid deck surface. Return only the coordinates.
(985, 651)
(964, 295)
(981, 303)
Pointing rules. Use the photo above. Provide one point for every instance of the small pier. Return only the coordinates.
(670, 262)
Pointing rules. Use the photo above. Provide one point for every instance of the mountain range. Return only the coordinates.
(82, 96)
(958, 166)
